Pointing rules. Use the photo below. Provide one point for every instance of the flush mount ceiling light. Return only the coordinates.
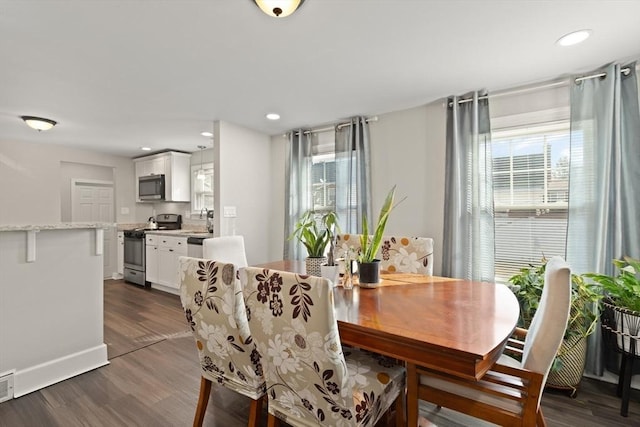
(145, 148)
(38, 123)
(278, 8)
(574, 38)
(273, 116)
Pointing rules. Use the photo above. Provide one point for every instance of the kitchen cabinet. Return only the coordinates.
(162, 253)
(120, 254)
(176, 168)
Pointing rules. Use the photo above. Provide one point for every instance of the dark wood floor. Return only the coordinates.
(153, 380)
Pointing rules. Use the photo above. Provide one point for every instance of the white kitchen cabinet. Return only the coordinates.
(120, 254)
(176, 168)
(162, 259)
(151, 258)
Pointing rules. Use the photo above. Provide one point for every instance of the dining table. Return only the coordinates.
(456, 326)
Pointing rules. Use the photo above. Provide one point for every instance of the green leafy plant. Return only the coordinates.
(314, 234)
(623, 289)
(370, 244)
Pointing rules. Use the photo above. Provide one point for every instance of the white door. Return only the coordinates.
(92, 201)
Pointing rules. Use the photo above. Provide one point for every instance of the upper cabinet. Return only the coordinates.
(176, 170)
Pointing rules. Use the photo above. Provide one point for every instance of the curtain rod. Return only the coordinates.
(334, 127)
(558, 83)
(624, 71)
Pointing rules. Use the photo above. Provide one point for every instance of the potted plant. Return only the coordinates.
(620, 314)
(368, 265)
(314, 234)
(330, 269)
(568, 367)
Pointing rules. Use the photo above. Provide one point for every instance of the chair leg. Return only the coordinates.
(401, 407)
(254, 412)
(627, 361)
(540, 421)
(203, 400)
(273, 421)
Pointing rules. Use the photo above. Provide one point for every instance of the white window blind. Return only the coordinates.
(531, 191)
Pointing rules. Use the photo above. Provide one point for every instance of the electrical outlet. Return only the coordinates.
(229, 212)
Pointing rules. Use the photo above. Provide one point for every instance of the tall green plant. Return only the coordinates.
(369, 245)
(624, 289)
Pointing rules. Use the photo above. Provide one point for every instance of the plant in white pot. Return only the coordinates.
(368, 265)
(313, 233)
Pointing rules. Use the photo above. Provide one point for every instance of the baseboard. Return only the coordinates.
(612, 378)
(166, 289)
(53, 371)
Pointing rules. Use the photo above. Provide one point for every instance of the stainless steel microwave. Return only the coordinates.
(151, 187)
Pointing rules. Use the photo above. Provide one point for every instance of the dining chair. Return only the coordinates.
(226, 249)
(311, 379)
(407, 255)
(215, 311)
(509, 393)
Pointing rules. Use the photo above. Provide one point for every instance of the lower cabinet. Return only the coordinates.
(120, 252)
(162, 253)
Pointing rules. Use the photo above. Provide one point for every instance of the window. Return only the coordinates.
(531, 192)
(201, 189)
(323, 182)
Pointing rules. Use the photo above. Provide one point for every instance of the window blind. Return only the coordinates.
(531, 189)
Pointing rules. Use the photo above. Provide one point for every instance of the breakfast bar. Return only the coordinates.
(51, 303)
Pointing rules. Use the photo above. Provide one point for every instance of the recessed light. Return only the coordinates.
(145, 148)
(273, 116)
(574, 38)
(207, 134)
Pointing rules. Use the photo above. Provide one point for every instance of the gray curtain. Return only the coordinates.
(353, 175)
(604, 178)
(298, 198)
(468, 247)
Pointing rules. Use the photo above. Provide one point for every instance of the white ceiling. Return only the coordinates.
(121, 74)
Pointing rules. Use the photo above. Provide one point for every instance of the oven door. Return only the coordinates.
(134, 256)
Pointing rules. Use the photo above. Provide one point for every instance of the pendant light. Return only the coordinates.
(278, 8)
(200, 175)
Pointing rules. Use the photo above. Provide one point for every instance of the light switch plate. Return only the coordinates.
(229, 212)
(124, 210)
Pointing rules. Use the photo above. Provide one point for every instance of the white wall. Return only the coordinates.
(242, 172)
(30, 176)
(408, 150)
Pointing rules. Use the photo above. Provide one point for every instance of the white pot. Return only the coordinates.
(331, 272)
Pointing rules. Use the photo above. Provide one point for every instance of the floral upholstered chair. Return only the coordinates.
(215, 311)
(407, 255)
(311, 380)
(397, 254)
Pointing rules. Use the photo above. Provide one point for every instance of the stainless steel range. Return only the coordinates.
(134, 247)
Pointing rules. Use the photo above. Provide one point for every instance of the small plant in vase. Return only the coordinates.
(330, 270)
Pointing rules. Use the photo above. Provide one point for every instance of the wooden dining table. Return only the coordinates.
(456, 326)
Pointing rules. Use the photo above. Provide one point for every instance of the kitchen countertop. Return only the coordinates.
(180, 233)
(57, 226)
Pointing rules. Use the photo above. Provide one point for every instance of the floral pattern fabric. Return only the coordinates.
(311, 379)
(211, 296)
(397, 253)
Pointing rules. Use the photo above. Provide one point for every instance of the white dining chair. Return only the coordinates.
(510, 392)
(225, 249)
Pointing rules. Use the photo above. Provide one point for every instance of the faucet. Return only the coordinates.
(206, 211)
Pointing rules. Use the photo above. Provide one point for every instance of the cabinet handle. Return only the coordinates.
(170, 250)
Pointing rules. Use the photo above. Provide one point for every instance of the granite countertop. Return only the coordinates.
(57, 226)
(180, 233)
